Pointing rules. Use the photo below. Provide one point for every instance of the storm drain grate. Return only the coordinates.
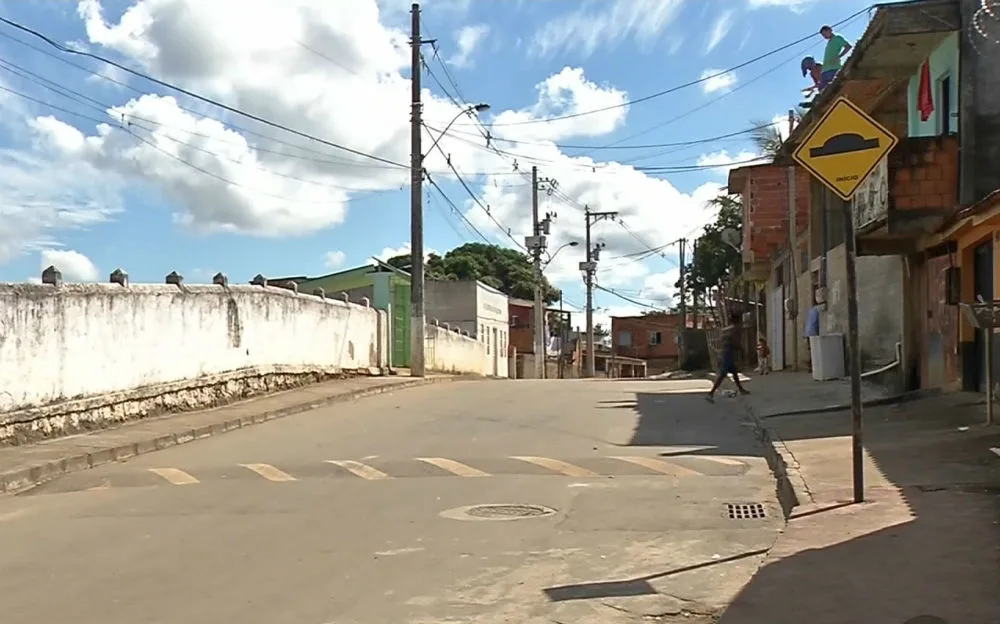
(745, 511)
(503, 512)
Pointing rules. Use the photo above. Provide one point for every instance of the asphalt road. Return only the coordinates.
(360, 514)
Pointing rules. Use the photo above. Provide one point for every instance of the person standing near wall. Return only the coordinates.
(836, 48)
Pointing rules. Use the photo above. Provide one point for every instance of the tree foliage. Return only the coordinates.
(507, 270)
(714, 261)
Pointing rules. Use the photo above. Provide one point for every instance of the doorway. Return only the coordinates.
(982, 287)
(496, 354)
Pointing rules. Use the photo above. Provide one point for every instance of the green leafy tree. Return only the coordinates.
(766, 138)
(507, 270)
(714, 261)
(601, 332)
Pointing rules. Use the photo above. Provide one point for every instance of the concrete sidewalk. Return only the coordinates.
(926, 542)
(22, 467)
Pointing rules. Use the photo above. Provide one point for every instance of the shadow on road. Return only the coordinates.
(924, 549)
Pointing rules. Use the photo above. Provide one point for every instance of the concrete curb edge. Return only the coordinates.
(790, 486)
(904, 397)
(23, 479)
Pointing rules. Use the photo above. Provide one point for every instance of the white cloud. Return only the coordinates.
(334, 259)
(283, 189)
(722, 160)
(605, 23)
(40, 195)
(796, 6)
(720, 28)
(717, 80)
(74, 266)
(468, 40)
(392, 252)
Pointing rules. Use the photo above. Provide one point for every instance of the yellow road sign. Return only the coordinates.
(844, 147)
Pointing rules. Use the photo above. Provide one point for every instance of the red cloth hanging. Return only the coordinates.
(925, 95)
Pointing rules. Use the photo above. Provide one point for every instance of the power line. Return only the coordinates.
(196, 96)
(615, 146)
(685, 85)
(628, 299)
(457, 210)
(475, 198)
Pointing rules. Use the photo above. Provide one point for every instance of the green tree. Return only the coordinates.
(507, 270)
(600, 331)
(715, 261)
(766, 138)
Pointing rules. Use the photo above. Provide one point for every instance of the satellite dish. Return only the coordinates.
(731, 237)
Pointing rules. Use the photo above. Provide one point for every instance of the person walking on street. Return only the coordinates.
(727, 356)
(836, 48)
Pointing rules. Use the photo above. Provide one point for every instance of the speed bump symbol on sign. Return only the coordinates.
(844, 147)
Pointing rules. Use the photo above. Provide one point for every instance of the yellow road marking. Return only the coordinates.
(559, 466)
(174, 476)
(269, 472)
(360, 470)
(454, 467)
(657, 465)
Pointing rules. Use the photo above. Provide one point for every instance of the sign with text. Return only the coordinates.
(844, 148)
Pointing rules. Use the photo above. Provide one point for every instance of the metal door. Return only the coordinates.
(776, 325)
(400, 324)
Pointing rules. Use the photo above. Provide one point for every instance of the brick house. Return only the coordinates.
(923, 219)
(652, 337)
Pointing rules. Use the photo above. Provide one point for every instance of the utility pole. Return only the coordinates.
(694, 293)
(590, 267)
(536, 250)
(417, 311)
(536, 244)
(684, 316)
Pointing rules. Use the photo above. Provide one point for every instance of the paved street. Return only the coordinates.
(362, 513)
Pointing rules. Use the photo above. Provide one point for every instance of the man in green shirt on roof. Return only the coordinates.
(836, 48)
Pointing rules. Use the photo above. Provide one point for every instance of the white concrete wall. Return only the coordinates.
(77, 341)
(448, 351)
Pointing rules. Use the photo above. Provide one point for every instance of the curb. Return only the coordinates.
(895, 399)
(790, 486)
(22, 479)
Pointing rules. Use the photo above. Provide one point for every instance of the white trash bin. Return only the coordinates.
(827, 353)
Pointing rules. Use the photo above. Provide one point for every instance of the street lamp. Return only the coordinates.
(558, 249)
(418, 317)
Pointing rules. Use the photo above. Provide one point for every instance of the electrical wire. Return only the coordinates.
(194, 95)
(628, 299)
(685, 85)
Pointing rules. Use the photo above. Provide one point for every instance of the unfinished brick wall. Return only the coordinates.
(765, 201)
(923, 173)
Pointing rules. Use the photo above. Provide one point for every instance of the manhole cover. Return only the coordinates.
(505, 511)
(745, 511)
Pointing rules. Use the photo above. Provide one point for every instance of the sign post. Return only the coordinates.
(842, 149)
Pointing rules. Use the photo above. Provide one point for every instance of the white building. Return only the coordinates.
(473, 307)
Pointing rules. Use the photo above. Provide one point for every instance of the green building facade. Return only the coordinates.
(385, 287)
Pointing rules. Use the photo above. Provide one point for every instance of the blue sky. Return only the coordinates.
(173, 183)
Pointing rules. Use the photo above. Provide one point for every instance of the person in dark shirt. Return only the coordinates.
(730, 340)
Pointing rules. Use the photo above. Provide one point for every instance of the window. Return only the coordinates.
(655, 338)
(624, 339)
(482, 333)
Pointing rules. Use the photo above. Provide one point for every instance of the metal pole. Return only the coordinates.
(681, 352)
(562, 335)
(854, 354)
(591, 370)
(988, 343)
(417, 320)
(539, 333)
